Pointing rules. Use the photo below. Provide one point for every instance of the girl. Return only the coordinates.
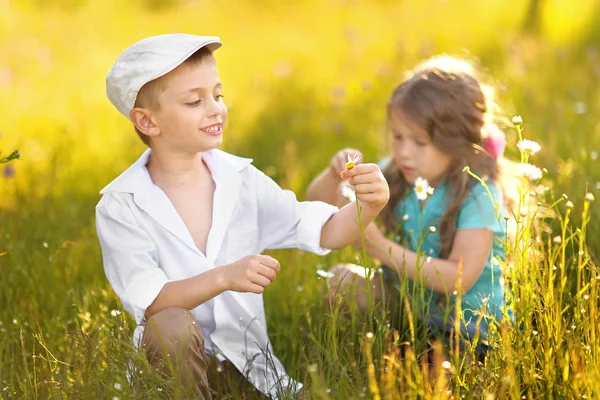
(451, 224)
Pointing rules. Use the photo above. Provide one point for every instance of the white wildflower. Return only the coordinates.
(117, 386)
(422, 188)
(580, 107)
(530, 171)
(517, 120)
(352, 161)
(325, 274)
(348, 192)
(529, 146)
(115, 313)
(593, 155)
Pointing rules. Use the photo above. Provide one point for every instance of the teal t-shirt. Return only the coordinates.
(477, 211)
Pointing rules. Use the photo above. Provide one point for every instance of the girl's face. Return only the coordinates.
(414, 152)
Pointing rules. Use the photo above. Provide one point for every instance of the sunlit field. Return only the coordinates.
(302, 80)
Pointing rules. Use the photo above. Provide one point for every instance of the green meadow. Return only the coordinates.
(302, 80)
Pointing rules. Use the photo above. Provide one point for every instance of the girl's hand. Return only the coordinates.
(369, 184)
(339, 160)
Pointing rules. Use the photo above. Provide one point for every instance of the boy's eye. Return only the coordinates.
(421, 144)
(193, 103)
(218, 97)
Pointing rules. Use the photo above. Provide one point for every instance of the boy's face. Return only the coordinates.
(191, 115)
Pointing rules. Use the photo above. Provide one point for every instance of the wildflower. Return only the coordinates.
(517, 120)
(115, 313)
(589, 197)
(594, 155)
(422, 189)
(557, 240)
(8, 172)
(580, 107)
(352, 161)
(529, 146)
(432, 229)
(348, 192)
(325, 274)
(446, 364)
(117, 386)
(405, 217)
(569, 205)
(530, 171)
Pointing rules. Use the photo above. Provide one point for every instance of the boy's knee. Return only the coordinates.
(172, 331)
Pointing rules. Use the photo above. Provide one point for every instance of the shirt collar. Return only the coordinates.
(136, 178)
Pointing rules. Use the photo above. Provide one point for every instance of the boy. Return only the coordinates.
(182, 229)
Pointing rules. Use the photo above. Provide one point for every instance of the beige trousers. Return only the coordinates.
(175, 347)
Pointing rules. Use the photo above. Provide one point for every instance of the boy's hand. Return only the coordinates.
(251, 274)
(369, 184)
(339, 160)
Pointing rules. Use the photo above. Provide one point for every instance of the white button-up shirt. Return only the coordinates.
(145, 244)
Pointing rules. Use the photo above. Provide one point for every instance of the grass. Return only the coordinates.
(310, 85)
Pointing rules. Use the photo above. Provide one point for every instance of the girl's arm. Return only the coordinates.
(471, 248)
(327, 186)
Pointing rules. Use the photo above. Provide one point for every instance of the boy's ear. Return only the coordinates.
(143, 121)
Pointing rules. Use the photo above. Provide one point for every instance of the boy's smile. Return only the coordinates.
(191, 104)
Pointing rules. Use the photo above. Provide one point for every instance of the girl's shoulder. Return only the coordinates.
(483, 207)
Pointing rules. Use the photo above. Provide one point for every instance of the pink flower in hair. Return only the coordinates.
(495, 143)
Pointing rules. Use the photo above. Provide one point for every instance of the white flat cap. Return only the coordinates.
(150, 59)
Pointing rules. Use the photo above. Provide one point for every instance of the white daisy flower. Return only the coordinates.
(325, 274)
(352, 161)
(517, 120)
(422, 188)
(529, 146)
(348, 192)
(530, 171)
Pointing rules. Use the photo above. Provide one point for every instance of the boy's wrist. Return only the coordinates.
(221, 279)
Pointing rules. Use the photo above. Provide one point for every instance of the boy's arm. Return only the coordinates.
(131, 265)
(372, 192)
(250, 274)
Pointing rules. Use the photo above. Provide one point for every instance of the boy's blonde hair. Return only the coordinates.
(148, 95)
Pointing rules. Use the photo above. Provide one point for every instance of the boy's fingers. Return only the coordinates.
(366, 188)
(364, 178)
(261, 280)
(269, 273)
(359, 169)
(270, 262)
